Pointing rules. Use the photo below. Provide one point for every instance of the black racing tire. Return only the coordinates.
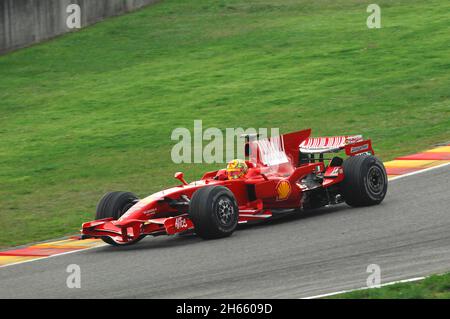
(115, 204)
(365, 181)
(214, 212)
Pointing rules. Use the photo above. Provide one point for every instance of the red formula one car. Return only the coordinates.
(281, 174)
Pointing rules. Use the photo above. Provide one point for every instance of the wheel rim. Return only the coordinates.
(376, 180)
(225, 211)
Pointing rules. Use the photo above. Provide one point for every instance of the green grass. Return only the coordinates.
(93, 111)
(433, 287)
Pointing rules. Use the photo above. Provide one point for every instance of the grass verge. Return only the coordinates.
(433, 287)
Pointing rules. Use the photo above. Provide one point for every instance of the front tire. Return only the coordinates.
(365, 181)
(115, 204)
(214, 212)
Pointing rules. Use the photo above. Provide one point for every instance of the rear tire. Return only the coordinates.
(214, 212)
(365, 181)
(115, 204)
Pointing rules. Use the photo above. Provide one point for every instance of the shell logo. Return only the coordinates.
(283, 189)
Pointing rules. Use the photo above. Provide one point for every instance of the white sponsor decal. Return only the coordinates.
(335, 171)
(180, 222)
(150, 211)
(359, 148)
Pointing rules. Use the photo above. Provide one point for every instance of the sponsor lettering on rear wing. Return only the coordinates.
(359, 148)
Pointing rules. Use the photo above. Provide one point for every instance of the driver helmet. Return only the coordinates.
(236, 168)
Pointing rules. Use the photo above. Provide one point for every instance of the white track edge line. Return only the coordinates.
(365, 288)
(46, 257)
(419, 171)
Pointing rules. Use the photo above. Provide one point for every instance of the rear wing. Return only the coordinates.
(289, 150)
(352, 144)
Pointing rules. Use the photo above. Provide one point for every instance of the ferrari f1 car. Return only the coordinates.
(288, 173)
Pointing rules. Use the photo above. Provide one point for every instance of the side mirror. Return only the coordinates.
(180, 177)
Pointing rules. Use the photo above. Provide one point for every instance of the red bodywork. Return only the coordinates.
(267, 187)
